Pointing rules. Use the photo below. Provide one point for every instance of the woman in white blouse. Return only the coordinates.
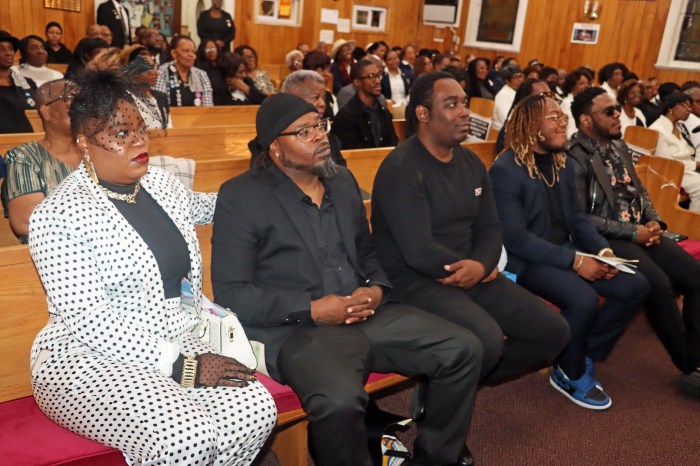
(673, 144)
(629, 95)
(117, 362)
(395, 84)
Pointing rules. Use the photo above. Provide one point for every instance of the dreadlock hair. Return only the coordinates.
(523, 133)
(99, 93)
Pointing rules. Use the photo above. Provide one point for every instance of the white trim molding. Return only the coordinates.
(672, 34)
(473, 18)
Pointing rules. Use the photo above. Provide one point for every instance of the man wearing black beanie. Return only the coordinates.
(293, 256)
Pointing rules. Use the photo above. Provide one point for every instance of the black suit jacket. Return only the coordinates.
(524, 212)
(265, 266)
(108, 16)
(352, 126)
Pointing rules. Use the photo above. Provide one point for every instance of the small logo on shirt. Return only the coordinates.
(477, 192)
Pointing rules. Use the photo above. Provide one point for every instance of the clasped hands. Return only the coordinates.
(337, 310)
(649, 234)
(467, 273)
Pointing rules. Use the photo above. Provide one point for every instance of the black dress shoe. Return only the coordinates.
(465, 457)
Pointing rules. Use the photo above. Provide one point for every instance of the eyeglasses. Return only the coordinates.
(372, 77)
(609, 110)
(307, 133)
(67, 96)
(548, 94)
(561, 118)
(210, 49)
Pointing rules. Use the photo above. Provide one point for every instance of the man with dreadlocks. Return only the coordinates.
(545, 232)
(438, 236)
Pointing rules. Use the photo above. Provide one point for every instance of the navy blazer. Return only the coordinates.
(386, 86)
(265, 264)
(523, 208)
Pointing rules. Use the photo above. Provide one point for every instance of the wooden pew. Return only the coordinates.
(34, 120)
(188, 117)
(8, 141)
(662, 179)
(400, 128)
(641, 140)
(203, 143)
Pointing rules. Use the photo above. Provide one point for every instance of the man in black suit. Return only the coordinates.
(293, 256)
(365, 122)
(116, 17)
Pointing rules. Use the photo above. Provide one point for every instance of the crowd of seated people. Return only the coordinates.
(440, 220)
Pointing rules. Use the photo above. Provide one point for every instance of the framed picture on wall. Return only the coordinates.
(278, 12)
(369, 18)
(584, 33)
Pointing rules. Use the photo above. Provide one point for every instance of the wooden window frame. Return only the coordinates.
(669, 42)
(474, 14)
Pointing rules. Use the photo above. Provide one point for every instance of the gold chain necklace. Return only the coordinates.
(128, 198)
(555, 177)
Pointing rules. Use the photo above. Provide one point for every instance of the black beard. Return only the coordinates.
(326, 171)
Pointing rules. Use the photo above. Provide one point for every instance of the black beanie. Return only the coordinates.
(276, 113)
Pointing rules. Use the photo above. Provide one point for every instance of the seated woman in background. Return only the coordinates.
(294, 61)
(16, 92)
(58, 53)
(85, 51)
(578, 80)
(240, 88)
(36, 168)
(260, 78)
(32, 61)
(183, 83)
(422, 65)
(320, 62)
(479, 85)
(116, 361)
(672, 144)
(629, 95)
(395, 84)
(208, 60)
(153, 105)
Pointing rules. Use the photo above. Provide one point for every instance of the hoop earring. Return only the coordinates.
(540, 138)
(90, 167)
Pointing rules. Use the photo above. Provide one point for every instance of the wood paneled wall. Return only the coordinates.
(631, 30)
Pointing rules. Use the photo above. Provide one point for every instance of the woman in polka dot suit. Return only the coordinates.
(116, 362)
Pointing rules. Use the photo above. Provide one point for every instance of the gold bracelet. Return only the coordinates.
(604, 250)
(189, 372)
(578, 266)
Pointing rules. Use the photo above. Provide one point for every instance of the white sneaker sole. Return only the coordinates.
(580, 403)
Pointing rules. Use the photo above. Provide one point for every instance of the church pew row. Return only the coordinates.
(23, 312)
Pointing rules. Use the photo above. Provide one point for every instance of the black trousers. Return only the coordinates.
(669, 269)
(536, 332)
(328, 365)
(594, 328)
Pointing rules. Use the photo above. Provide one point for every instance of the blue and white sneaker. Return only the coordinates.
(582, 391)
(590, 370)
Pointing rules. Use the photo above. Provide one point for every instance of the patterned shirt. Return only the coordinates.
(626, 200)
(31, 169)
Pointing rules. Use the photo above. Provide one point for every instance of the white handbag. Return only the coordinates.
(219, 328)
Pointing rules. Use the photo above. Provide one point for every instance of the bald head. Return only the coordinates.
(49, 91)
(94, 31)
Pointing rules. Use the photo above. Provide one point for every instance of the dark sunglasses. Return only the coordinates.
(609, 110)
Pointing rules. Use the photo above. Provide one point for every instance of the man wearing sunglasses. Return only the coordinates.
(36, 168)
(364, 122)
(616, 201)
(292, 254)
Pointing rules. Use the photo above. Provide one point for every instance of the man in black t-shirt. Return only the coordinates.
(438, 236)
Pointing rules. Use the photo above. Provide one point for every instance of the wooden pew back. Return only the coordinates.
(203, 143)
(662, 179)
(187, 117)
(642, 138)
(8, 141)
(23, 312)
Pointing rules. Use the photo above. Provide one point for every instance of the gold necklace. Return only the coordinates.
(128, 198)
(555, 177)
